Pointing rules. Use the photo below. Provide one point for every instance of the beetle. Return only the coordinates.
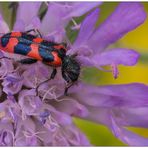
(49, 52)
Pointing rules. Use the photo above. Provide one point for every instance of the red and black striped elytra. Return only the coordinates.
(49, 52)
(35, 47)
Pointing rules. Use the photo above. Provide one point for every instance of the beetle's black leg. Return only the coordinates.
(27, 61)
(52, 76)
(67, 87)
(5, 58)
(23, 61)
(31, 30)
(39, 33)
(34, 30)
(28, 31)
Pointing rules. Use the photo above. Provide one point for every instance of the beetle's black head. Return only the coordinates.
(70, 69)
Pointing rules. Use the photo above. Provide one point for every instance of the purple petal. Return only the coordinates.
(10, 109)
(113, 57)
(72, 107)
(34, 23)
(51, 90)
(24, 15)
(29, 102)
(35, 74)
(87, 27)
(52, 21)
(25, 133)
(126, 136)
(60, 142)
(57, 17)
(128, 103)
(19, 26)
(12, 84)
(75, 137)
(60, 133)
(3, 25)
(123, 20)
(80, 8)
(61, 117)
(44, 134)
(128, 95)
(53, 26)
(6, 67)
(6, 134)
(116, 56)
(136, 117)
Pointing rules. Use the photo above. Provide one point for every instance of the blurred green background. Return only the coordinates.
(138, 39)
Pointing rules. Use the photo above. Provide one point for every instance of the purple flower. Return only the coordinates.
(6, 134)
(43, 117)
(92, 43)
(12, 83)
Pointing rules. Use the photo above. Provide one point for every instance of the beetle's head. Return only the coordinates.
(70, 69)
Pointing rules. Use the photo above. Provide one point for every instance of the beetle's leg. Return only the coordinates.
(5, 58)
(27, 61)
(38, 32)
(52, 76)
(67, 87)
(35, 31)
(23, 61)
(31, 30)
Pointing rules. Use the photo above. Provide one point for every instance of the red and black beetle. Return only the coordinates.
(49, 52)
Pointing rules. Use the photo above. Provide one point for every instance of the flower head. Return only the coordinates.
(43, 117)
(92, 43)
